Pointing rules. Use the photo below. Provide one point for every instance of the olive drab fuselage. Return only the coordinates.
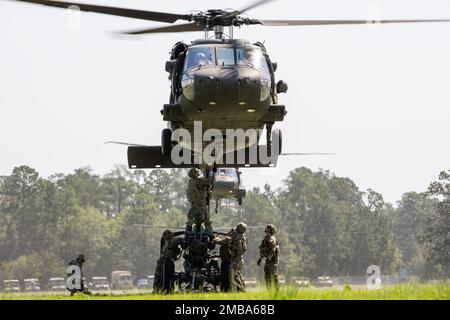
(225, 84)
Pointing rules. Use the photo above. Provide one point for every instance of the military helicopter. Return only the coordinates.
(227, 182)
(221, 82)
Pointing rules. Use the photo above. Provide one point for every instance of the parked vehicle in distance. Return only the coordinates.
(143, 284)
(150, 279)
(56, 284)
(31, 285)
(100, 283)
(121, 280)
(303, 282)
(11, 286)
(324, 282)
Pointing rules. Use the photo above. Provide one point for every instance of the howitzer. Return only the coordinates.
(221, 233)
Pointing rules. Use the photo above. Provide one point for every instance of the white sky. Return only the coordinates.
(380, 98)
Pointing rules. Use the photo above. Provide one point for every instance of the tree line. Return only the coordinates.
(326, 224)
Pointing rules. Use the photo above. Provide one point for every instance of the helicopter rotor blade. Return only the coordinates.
(282, 23)
(115, 11)
(249, 7)
(185, 27)
(125, 143)
(308, 154)
(254, 5)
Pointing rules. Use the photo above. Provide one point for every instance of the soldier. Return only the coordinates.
(79, 263)
(165, 266)
(237, 242)
(225, 264)
(270, 249)
(197, 192)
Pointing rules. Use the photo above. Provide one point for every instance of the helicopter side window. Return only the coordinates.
(199, 56)
(225, 56)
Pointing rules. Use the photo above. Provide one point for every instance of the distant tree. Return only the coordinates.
(21, 208)
(437, 233)
(410, 222)
(33, 265)
(118, 188)
(380, 232)
(326, 225)
(87, 187)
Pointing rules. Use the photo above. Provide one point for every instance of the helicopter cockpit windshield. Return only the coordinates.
(204, 55)
(199, 56)
(252, 58)
(255, 58)
(226, 172)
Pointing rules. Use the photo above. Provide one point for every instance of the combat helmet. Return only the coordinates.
(241, 227)
(167, 234)
(271, 229)
(193, 173)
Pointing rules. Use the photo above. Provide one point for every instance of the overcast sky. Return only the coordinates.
(378, 97)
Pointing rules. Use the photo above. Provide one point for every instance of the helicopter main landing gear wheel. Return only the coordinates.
(272, 136)
(166, 141)
(277, 136)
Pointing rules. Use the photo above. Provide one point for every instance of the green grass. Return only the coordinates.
(395, 292)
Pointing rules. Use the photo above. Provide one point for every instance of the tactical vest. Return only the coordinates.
(171, 249)
(195, 192)
(265, 247)
(238, 244)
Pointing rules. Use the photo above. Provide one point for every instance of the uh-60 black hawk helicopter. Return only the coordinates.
(221, 82)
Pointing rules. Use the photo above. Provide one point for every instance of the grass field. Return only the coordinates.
(395, 292)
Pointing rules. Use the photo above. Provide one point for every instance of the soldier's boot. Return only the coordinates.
(276, 283)
(240, 283)
(268, 280)
(86, 291)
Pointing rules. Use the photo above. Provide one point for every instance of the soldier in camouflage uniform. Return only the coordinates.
(225, 264)
(237, 243)
(269, 249)
(79, 262)
(197, 193)
(170, 252)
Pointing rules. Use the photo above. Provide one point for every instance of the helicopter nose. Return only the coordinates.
(228, 86)
(227, 185)
(237, 86)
